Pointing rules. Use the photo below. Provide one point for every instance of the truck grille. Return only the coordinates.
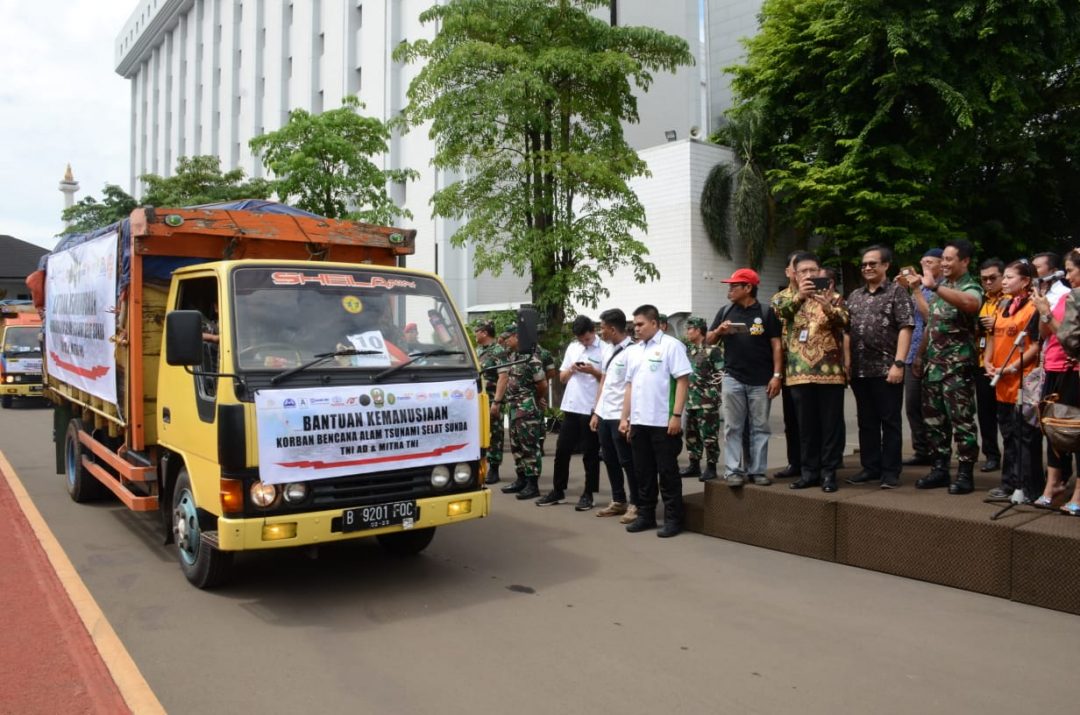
(365, 489)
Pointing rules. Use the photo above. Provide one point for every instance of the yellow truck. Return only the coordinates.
(20, 354)
(242, 370)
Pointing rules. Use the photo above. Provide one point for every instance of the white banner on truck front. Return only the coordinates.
(318, 433)
(80, 316)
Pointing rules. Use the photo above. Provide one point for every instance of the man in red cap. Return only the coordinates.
(752, 377)
(412, 337)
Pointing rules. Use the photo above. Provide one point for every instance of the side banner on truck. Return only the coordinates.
(318, 433)
(80, 317)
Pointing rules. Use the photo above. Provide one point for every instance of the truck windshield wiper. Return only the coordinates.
(413, 357)
(319, 359)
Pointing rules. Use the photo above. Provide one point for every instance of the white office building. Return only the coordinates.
(209, 75)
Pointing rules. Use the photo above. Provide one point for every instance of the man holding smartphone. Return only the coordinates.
(753, 366)
(581, 373)
(815, 372)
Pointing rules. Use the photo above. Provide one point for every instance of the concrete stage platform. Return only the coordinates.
(1029, 555)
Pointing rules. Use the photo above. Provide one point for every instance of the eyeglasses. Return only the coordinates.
(869, 264)
(987, 279)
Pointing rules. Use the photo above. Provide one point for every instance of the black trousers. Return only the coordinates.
(575, 432)
(920, 445)
(618, 457)
(986, 410)
(791, 429)
(878, 405)
(1022, 467)
(821, 429)
(656, 457)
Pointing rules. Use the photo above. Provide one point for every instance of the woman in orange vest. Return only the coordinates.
(1022, 442)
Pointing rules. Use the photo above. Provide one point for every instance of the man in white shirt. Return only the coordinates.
(1046, 265)
(580, 372)
(614, 449)
(659, 376)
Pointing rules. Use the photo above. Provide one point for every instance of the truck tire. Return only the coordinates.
(82, 486)
(203, 565)
(406, 543)
(6, 401)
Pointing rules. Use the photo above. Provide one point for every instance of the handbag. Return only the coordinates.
(1060, 424)
(1031, 390)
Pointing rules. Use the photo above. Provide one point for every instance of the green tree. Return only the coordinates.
(199, 180)
(526, 100)
(324, 161)
(88, 213)
(909, 123)
(736, 203)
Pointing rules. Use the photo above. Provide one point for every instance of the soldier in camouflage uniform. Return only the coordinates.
(520, 387)
(948, 391)
(491, 356)
(703, 402)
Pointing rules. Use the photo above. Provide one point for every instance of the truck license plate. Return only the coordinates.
(379, 515)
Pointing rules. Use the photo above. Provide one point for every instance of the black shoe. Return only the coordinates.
(990, 465)
(917, 461)
(584, 503)
(965, 480)
(890, 482)
(530, 491)
(641, 523)
(863, 477)
(709, 473)
(828, 485)
(551, 498)
(804, 483)
(669, 529)
(787, 472)
(691, 470)
(514, 487)
(937, 478)
(492, 475)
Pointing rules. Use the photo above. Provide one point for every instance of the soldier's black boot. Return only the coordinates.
(709, 473)
(691, 470)
(492, 475)
(938, 476)
(531, 491)
(515, 486)
(965, 480)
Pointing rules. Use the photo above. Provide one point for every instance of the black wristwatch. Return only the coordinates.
(898, 363)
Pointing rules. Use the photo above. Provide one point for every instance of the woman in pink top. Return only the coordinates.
(1062, 378)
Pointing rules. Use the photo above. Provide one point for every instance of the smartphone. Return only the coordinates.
(820, 283)
(581, 363)
(908, 271)
(737, 328)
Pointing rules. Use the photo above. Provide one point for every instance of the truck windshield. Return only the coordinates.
(285, 317)
(22, 342)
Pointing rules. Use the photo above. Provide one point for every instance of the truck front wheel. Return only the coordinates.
(81, 484)
(203, 565)
(406, 543)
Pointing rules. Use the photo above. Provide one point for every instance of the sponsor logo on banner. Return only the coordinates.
(329, 437)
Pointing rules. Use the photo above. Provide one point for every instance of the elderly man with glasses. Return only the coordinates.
(881, 318)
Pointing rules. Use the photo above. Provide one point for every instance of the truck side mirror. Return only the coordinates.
(183, 338)
(527, 320)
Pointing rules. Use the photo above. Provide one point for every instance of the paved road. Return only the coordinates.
(548, 610)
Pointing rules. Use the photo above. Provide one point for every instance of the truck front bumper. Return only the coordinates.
(316, 527)
(21, 389)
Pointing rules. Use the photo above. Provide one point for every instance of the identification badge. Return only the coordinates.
(982, 342)
(804, 335)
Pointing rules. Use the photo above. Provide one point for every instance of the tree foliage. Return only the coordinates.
(909, 123)
(88, 213)
(526, 100)
(199, 180)
(323, 161)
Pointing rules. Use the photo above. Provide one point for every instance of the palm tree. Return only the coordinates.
(735, 200)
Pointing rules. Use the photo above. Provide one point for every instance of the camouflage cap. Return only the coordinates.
(698, 323)
(510, 330)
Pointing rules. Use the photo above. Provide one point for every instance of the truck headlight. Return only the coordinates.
(462, 474)
(440, 477)
(295, 493)
(263, 495)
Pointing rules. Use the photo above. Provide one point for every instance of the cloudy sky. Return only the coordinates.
(60, 102)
